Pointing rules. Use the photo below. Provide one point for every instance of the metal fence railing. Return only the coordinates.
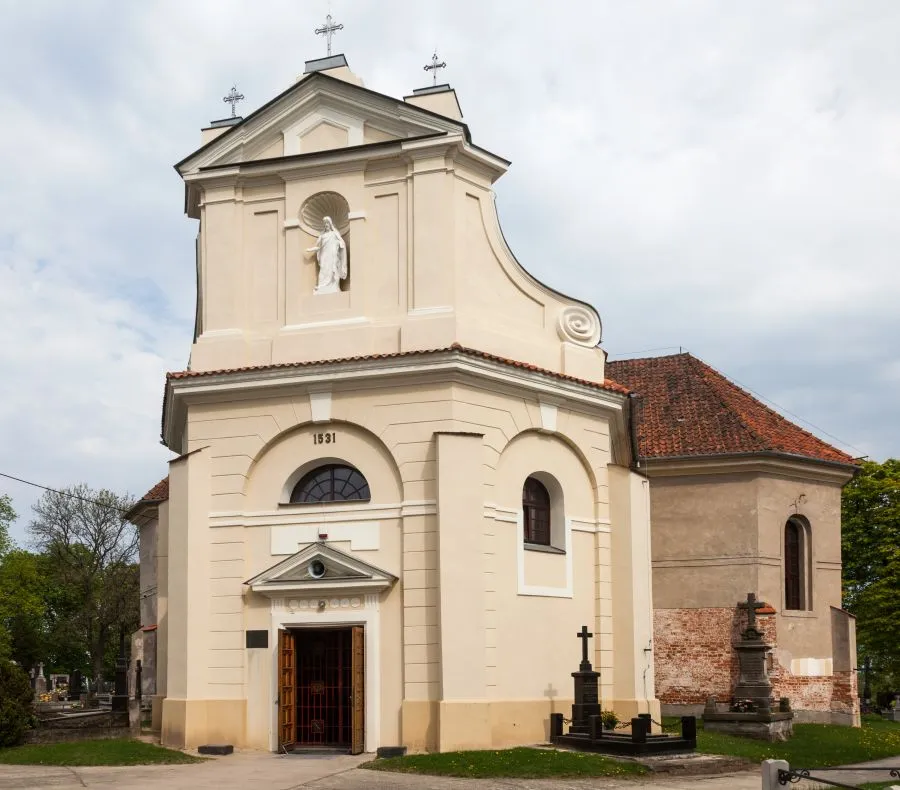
(779, 773)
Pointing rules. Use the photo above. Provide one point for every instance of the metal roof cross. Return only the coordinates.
(435, 65)
(328, 30)
(233, 98)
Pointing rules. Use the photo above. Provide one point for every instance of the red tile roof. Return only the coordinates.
(607, 385)
(685, 408)
(159, 492)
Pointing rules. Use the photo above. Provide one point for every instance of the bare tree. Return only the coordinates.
(93, 552)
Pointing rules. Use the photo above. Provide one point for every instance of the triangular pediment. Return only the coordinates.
(320, 568)
(318, 113)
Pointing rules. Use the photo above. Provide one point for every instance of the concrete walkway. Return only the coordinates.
(339, 772)
(260, 770)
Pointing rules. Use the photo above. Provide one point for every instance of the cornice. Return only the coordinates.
(780, 464)
(451, 366)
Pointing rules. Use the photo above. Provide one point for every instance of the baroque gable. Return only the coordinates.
(319, 112)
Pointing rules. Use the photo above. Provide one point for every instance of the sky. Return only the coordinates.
(722, 178)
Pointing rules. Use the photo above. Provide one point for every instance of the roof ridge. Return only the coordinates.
(716, 374)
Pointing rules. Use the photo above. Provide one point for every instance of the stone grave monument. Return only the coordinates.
(750, 713)
(586, 730)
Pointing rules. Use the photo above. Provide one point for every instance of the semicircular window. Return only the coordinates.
(331, 483)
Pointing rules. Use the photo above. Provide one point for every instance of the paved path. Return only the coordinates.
(260, 770)
(339, 772)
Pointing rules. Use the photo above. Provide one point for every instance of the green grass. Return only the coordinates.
(115, 751)
(813, 745)
(522, 763)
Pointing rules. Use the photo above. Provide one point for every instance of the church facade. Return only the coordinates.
(406, 475)
(403, 482)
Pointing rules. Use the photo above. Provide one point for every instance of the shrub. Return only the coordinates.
(608, 719)
(16, 697)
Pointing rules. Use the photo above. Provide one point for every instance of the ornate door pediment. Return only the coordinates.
(320, 568)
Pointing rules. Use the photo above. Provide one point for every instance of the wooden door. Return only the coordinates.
(287, 690)
(358, 699)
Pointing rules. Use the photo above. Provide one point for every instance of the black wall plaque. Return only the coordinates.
(257, 638)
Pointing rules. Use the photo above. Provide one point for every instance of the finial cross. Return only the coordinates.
(328, 30)
(434, 66)
(584, 635)
(233, 98)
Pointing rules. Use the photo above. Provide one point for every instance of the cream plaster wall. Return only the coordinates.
(476, 640)
(446, 463)
(423, 227)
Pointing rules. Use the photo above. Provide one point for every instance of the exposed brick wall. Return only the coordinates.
(695, 660)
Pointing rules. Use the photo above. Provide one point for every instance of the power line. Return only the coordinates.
(65, 493)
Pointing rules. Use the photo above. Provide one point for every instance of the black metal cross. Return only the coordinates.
(584, 635)
(233, 98)
(328, 30)
(435, 65)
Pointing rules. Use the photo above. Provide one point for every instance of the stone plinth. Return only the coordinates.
(587, 700)
(758, 725)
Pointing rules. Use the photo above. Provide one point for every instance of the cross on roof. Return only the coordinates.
(328, 30)
(434, 66)
(233, 98)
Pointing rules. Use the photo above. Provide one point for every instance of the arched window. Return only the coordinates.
(794, 577)
(536, 510)
(331, 483)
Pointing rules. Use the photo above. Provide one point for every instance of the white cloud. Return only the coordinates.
(717, 176)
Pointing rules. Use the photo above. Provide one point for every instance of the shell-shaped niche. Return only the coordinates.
(324, 204)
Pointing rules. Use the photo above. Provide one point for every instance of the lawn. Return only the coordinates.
(813, 745)
(522, 763)
(114, 751)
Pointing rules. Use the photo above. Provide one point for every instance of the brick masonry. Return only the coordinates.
(695, 660)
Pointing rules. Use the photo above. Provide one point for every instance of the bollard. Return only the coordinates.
(595, 727)
(770, 769)
(556, 724)
(639, 729)
(689, 729)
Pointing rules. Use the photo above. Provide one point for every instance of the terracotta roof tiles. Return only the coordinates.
(686, 408)
(159, 492)
(606, 385)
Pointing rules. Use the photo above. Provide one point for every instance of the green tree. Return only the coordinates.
(92, 552)
(23, 608)
(7, 517)
(870, 512)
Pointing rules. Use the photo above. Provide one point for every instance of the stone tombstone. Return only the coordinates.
(587, 689)
(40, 682)
(753, 682)
(76, 683)
(120, 695)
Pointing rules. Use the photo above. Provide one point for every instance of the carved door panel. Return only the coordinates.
(287, 690)
(358, 700)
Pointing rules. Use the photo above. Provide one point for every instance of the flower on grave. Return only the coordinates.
(742, 706)
(608, 719)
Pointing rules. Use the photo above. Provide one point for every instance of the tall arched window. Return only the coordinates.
(794, 577)
(331, 483)
(536, 511)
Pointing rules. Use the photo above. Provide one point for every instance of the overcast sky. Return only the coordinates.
(719, 176)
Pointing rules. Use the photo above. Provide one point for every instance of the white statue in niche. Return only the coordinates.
(331, 253)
